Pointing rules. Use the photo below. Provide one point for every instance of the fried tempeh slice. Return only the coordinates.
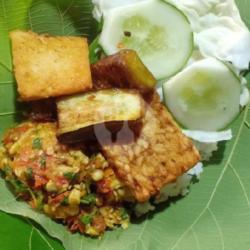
(156, 158)
(47, 66)
(81, 116)
(122, 70)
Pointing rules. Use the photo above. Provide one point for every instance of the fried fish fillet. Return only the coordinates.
(160, 154)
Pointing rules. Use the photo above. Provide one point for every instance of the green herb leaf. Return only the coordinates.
(7, 170)
(42, 162)
(29, 173)
(69, 176)
(39, 200)
(37, 143)
(86, 219)
(18, 186)
(95, 51)
(124, 213)
(88, 199)
(65, 201)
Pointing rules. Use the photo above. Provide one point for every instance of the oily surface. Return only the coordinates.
(39, 61)
(157, 157)
(207, 218)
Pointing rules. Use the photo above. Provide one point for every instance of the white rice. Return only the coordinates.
(179, 188)
(208, 21)
(206, 143)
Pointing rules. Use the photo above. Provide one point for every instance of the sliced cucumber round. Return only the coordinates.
(158, 31)
(204, 96)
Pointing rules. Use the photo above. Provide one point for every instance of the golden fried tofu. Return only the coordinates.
(160, 154)
(47, 66)
(80, 117)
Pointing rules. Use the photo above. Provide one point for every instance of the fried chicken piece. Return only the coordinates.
(160, 154)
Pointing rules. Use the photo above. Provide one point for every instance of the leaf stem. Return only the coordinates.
(247, 124)
(31, 223)
(227, 165)
(10, 113)
(6, 67)
(30, 238)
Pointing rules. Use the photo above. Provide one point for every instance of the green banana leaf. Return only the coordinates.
(214, 216)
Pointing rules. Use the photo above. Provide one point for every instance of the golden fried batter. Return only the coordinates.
(50, 66)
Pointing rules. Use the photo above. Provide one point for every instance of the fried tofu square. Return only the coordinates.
(160, 154)
(47, 66)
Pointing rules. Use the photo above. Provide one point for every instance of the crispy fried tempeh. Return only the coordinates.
(81, 116)
(122, 70)
(156, 158)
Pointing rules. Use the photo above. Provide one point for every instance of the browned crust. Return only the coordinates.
(87, 116)
(122, 70)
(158, 157)
(48, 66)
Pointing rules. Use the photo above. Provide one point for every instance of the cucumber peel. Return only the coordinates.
(159, 32)
(205, 96)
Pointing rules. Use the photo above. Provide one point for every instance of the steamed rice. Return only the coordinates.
(178, 188)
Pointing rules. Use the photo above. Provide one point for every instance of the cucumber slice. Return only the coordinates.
(204, 96)
(158, 31)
